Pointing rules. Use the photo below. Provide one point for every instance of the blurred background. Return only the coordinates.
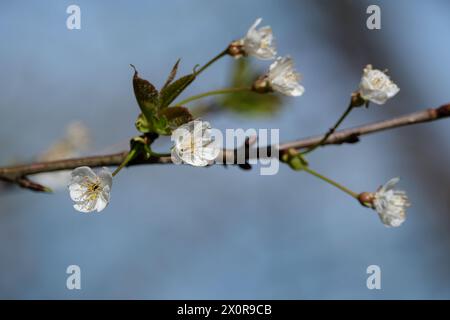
(178, 232)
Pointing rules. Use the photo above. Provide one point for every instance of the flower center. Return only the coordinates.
(192, 144)
(378, 82)
(92, 189)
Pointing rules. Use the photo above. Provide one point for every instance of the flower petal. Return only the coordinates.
(85, 206)
(105, 177)
(176, 159)
(77, 191)
(102, 201)
(259, 43)
(254, 25)
(83, 172)
(210, 152)
(391, 184)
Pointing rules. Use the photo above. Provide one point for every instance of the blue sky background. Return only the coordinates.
(182, 232)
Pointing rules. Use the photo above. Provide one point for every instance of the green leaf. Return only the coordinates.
(172, 91)
(155, 116)
(176, 116)
(146, 95)
(160, 126)
(165, 122)
(252, 104)
(172, 74)
(156, 124)
(242, 73)
(169, 119)
(142, 124)
(249, 103)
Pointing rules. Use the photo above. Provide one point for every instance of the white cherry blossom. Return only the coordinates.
(283, 78)
(90, 191)
(194, 144)
(391, 204)
(259, 42)
(376, 86)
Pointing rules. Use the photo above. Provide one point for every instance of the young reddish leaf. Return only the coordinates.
(146, 95)
(172, 75)
(172, 91)
(176, 116)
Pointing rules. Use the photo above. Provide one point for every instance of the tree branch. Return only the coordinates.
(18, 174)
(352, 135)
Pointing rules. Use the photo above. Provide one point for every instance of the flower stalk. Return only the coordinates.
(213, 60)
(130, 156)
(332, 130)
(213, 93)
(332, 182)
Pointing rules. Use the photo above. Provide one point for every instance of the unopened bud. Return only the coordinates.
(366, 199)
(357, 100)
(262, 85)
(236, 49)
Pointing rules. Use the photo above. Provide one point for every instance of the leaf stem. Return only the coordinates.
(331, 131)
(212, 93)
(332, 182)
